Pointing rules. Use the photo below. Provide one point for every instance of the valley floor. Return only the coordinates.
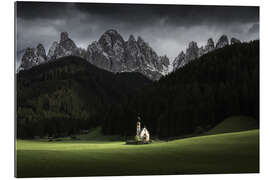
(236, 152)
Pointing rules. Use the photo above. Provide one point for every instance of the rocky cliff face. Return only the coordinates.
(96, 56)
(133, 54)
(193, 52)
(111, 52)
(234, 40)
(210, 46)
(165, 63)
(33, 57)
(65, 47)
(179, 61)
(222, 42)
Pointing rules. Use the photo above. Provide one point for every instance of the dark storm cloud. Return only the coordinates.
(42, 10)
(138, 13)
(167, 28)
(184, 15)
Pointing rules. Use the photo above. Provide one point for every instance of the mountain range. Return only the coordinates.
(112, 53)
(193, 51)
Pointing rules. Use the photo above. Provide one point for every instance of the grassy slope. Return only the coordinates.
(94, 134)
(234, 124)
(224, 153)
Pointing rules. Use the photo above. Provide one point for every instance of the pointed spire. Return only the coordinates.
(222, 42)
(131, 38)
(64, 36)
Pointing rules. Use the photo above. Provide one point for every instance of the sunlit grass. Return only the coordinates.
(224, 153)
(234, 124)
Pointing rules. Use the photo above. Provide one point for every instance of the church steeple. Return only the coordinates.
(138, 125)
(142, 135)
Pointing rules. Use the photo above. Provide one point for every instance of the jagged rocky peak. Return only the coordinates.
(142, 44)
(67, 43)
(201, 51)
(131, 42)
(63, 36)
(181, 55)
(146, 50)
(112, 32)
(192, 51)
(179, 60)
(96, 56)
(192, 45)
(222, 42)
(33, 56)
(165, 60)
(110, 38)
(94, 47)
(131, 38)
(210, 46)
(234, 40)
(52, 50)
(65, 47)
(40, 51)
(142, 58)
(163, 65)
(132, 53)
(113, 44)
(29, 58)
(113, 53)
(140, 40)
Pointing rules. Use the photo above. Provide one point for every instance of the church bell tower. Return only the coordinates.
(138, 126)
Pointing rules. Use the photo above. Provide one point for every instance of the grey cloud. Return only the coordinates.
(142, 13)
(254, 28)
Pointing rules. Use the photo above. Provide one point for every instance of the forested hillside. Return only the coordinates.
(196, 97)
(68, 95)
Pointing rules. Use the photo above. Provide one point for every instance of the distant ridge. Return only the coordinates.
(111, 52)
(193, 51)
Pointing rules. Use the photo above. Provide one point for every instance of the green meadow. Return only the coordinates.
(231, 152)
(234, 124)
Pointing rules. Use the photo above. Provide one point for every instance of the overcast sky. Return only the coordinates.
(167, 28)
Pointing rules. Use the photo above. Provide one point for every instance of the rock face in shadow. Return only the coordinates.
(234, 40)
(193, 52)
(222, 42)
(65, 47)
(111, 52)
(33, 57)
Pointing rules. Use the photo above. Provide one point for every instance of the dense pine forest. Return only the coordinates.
(196, 97)
(68, 95)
